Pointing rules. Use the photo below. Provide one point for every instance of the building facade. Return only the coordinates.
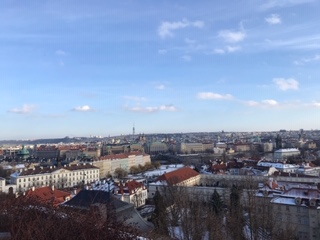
(60, 177)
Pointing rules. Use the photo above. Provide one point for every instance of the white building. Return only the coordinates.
(60, 177)
(6, 188)
(132, 192)
(282, 167)
(287, 152)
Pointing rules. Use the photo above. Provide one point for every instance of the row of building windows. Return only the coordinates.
(96, 176)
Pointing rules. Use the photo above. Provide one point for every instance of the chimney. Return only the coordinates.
(33, 188)
(52, 187)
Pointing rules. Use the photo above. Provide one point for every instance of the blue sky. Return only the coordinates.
(81, 68)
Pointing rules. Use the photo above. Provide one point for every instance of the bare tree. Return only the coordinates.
(27, 218)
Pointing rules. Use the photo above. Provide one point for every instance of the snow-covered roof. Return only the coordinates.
(284, 200)
(287, 150)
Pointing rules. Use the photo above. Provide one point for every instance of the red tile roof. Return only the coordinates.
(178, 176)
(48, 195)
(130, 186)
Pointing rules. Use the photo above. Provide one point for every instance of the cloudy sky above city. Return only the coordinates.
(81, 68)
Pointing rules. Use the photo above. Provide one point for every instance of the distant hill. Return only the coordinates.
(49, 141)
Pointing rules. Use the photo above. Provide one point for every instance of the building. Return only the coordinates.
(6, 188)
(46, 151)
(242, 147)
(281, 154)
(298, 208)
(49, 195)
(185, 176)
(158, 147)
(132, 192)
(282, 167)
(106, 203)
(111, 149)
(191, 148)
(107, 164)
(60, 177)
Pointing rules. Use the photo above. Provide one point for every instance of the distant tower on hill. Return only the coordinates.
(133, 130)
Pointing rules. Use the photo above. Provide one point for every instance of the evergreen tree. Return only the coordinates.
(234, 198)
(158, 217)
(216, 203)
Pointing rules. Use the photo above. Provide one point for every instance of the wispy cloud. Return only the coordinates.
(25, 109)
(84, 108)
(160, 87)
(162, 51)
(213, 96)
(307, 60)
(60, 53)
(286, 84)
(166, 29)
(168, 108)
(270, 102)
(264, 103)
(219, 51)
(135, 98)
(283, 3)
(186, 58)
(227, 49)
(273, 19)
(316, 104)
(308, 42)
(232, 36)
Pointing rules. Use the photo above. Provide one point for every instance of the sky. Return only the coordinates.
(84, 68)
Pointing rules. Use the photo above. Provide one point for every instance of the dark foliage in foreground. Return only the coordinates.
(27, 218)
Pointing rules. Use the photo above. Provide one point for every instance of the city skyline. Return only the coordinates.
(82, 68)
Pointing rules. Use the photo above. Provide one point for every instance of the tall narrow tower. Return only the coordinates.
(133, 131)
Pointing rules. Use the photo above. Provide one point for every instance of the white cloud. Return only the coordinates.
(60, 53)
(135, 98)
(316, 104)
(213, 96)
(252, 103)
(307, 60)
(186, 58)
(282, 3)
(227, 49)
(219, 51)
(166, 28)
(264, 103)
(270, 102)
(308, 42)
(162, 51)
(273, 19)
(160, 87)
(84, 108)
(168, 108)
(232, 49)
(189, 41)
(232, 36)
(286, 84)
(25, 109)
